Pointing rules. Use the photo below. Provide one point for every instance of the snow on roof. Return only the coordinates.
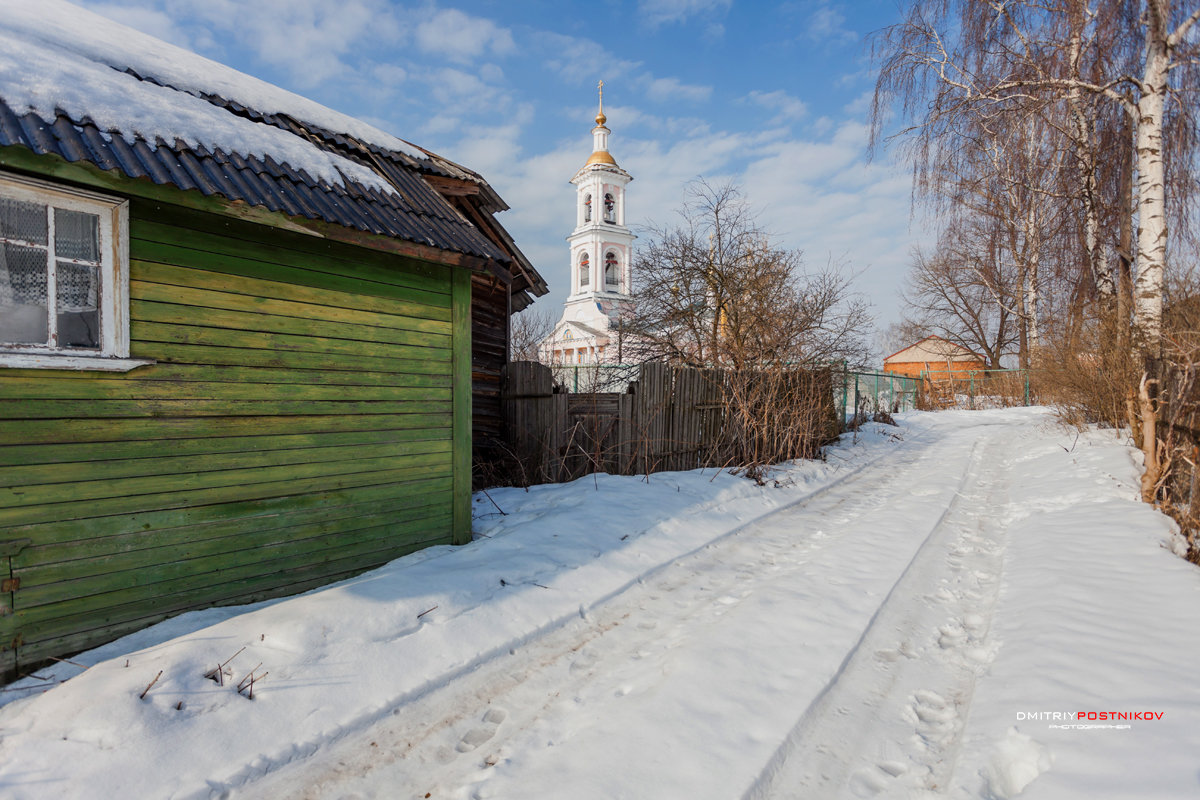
(56, 56)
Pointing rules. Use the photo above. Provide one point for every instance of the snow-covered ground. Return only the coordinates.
(949, 609)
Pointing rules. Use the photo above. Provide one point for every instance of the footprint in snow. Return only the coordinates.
(876, 778)
(586, 659)
(951, 636)
(477, 736)
(936, 719)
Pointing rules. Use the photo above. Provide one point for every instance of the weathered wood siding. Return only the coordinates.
(300, 426)
(489, 353)
(671, 418)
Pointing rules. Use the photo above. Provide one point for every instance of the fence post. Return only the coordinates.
(1026, 386)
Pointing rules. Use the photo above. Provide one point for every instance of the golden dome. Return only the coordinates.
(601, 119)
(601, 157)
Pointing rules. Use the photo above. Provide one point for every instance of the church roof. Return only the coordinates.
(601, 157)
(585, 328)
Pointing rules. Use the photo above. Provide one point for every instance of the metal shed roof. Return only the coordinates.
(414, 211)
(401, 204)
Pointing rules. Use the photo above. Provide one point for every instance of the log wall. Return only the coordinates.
(300, 425)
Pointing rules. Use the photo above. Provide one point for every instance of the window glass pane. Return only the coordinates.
(23, 315)
(23, 221)
(76, 235)
(78, 305)
(79, 329)
(78, 286)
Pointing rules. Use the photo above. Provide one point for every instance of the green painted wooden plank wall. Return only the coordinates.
(308, 418)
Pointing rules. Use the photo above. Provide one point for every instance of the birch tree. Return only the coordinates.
(951, 60)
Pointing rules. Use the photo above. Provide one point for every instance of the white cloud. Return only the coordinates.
(440, 124)
(827, 24)
(860, 106)
(823, 197)
(664, 90)
(456, 87)
(660, 12)
(462, 38)
(309, 38)
(786, 107)
(577, 60)
(389, 74)
(147, 20)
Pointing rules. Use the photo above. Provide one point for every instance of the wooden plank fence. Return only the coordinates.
(671, 418)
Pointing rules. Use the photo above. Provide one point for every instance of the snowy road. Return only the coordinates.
(885, 580)
(710, 639)
(879, 632)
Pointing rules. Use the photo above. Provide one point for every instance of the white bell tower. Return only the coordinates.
(601, 257)
(601, 245)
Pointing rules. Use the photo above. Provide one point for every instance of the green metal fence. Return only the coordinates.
(867, 392)
(856, 391)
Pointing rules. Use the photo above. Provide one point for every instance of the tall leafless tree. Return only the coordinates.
(712, 290)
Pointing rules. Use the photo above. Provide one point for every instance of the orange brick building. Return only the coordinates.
(937, 358)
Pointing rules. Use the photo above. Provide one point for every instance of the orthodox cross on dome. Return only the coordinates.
(600, 118)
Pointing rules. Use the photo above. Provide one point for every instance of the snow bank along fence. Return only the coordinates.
(669, 418)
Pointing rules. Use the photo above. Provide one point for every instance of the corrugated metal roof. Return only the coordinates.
(414, 212)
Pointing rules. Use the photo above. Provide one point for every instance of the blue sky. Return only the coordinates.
(772, 96)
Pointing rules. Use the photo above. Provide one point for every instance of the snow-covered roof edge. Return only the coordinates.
(88, 35)
(186, 120)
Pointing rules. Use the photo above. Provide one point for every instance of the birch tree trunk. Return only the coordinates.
(1032, 287)
(1151, 188)
(1082, 134)
(1152, 221)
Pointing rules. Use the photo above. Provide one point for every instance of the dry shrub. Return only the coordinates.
(776, 414)
(1090, 382)
(1178, 492)
(1086, 379)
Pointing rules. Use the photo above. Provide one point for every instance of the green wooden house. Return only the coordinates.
(243, 340)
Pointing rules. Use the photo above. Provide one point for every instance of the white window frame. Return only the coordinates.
(113, 354)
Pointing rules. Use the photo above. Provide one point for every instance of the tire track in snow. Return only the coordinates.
(430, 740)
(891, 718)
